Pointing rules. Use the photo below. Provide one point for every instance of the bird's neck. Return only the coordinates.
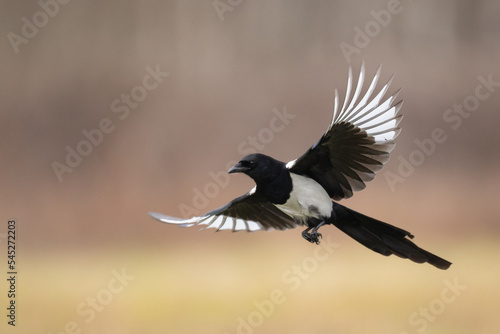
(277, 186)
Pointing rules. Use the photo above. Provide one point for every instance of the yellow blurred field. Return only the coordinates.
(286, 286)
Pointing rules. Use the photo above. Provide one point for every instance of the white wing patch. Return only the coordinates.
(378, 118)
(290, 164)
(219, 222)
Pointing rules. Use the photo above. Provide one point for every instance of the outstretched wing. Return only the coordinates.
(249, 212)
(357, 143)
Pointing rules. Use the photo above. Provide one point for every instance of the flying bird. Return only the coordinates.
(305, 191)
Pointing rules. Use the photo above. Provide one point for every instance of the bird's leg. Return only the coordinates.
(306, 235)
(314, 235)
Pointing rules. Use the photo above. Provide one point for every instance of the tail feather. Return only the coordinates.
(382, 237)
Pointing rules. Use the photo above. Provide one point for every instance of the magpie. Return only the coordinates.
(305, 191)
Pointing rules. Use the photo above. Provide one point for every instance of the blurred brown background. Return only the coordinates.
(224, 69)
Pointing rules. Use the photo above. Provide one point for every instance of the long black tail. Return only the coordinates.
(382, 237)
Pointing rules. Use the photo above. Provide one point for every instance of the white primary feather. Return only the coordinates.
(378, 119)
(219, 222)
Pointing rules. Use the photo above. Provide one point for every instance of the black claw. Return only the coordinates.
(312, 237)
(315, 237)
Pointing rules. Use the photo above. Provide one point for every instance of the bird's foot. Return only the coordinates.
(312, 237)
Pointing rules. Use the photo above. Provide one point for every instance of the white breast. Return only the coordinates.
(307, 199)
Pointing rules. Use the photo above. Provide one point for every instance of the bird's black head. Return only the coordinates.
(259, 167)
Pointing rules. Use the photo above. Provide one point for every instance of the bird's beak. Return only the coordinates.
(238, 168)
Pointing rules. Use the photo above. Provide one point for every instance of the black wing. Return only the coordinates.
(249, 212)
(357, 143)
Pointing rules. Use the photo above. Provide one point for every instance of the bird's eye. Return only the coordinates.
(248, 163)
